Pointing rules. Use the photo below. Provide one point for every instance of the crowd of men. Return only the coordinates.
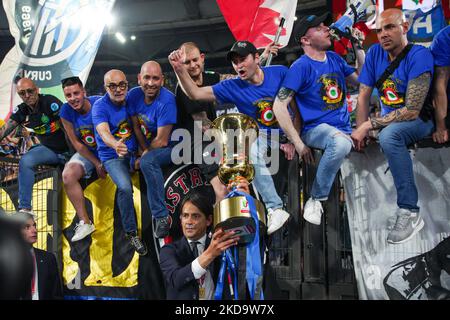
(128, 130)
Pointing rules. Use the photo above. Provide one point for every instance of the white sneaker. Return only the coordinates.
(82, 230)
(276, 219)
(313, 211)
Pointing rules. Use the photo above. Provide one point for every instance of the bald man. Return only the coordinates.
(116, 146)
(40, 113)
(405, 118)
(154, 113)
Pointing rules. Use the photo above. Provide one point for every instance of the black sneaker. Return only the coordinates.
(161, 226)
(137, 243)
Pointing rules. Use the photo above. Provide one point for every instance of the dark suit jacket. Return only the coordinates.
(175, 261)
(49, 280)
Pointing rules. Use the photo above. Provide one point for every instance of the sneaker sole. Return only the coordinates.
(313, 221)
(72, 240)
(284, 222)
(415, 231)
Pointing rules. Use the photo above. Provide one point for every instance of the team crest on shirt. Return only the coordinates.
(264, 112)
(332, 93)
(144, 129)
(390, 95)
(88, 138)
(123, 131)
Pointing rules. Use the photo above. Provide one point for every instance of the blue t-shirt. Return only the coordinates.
(82, 124)
(161, 112)
(393, 89)
(255, 101)
(117, 118)
(440, 48)
(320, 91)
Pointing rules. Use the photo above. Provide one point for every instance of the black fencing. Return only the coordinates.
(45, 200)
(313, 262)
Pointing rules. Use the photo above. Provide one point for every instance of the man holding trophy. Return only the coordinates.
(252, 92)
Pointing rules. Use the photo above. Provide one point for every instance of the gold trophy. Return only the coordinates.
(236, 132)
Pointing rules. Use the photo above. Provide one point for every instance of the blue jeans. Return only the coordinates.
(263, 179)
(118, 170)
(394, 140)
(37, 155)
(151, 164)
(336, 145)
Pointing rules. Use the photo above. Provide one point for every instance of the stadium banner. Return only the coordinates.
(21, 17)
(257, 21)
(426, 20)
(63, 42)
(418, 269)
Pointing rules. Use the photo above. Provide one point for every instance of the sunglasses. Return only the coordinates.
(121, 85)
(22, 93)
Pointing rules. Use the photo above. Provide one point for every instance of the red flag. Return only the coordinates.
(257, 20)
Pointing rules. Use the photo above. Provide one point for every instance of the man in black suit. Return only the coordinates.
(46, 281)
(188, 276)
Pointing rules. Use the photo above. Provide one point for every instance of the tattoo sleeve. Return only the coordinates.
(10, 127)
(285, 93)
(202, 116)
(416, 93)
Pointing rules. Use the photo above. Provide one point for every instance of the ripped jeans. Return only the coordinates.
(336, 145)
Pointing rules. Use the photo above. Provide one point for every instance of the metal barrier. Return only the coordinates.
(313, 262)
(45, 199)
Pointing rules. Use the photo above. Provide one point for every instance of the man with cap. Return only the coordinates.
(317, 80)
(40, 113)
(252, 92)
(76, 117)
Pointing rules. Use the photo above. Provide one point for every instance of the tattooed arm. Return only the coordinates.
(280, 108)
(416, 94)
(202, 119)
(11, 125)
(440, 102)
(362, 109)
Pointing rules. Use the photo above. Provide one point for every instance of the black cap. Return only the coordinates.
(241, 48)
(311, 21)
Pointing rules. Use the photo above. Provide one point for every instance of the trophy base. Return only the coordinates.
(234, 214)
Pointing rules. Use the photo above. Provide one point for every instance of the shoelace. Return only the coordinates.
(402, 221)
(77, 226)
(136, 242)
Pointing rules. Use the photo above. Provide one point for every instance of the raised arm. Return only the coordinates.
(194, 92)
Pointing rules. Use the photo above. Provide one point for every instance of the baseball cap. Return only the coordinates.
(311, 21)
(241, 48)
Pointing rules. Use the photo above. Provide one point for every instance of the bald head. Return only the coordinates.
(151, 65)
(392, 14)
(28, 92)
(116, 86)
(391, 28)
(151, 80)
(113, 74)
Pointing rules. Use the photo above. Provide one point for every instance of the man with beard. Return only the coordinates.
(116, 146)
(405, 119)
(154, 113)
(317, 80)
(76, 116)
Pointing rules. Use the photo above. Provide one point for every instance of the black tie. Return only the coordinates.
(194, 248)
